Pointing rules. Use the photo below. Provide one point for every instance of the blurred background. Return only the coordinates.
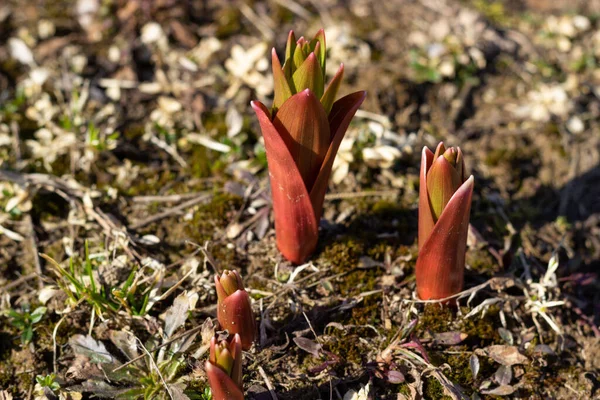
(127, 125)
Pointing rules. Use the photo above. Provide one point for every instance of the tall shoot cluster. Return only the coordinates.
(302, 134)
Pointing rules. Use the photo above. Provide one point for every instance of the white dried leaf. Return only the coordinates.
(234, 122)
(149, 240)
(176, 315)
(5, 395)
(5, 140)
(205, 50)
(11, 234)
(39, 75)
(575, 125)
(126, 342)
(581, 22)
(152, 32)
(474, 365)
(16, 200)
(85, 10)
(503, 390)
(94, 350)
(340, 171)
(362, 394)
(20, 51)
(206, 141)
(169, 105)
(47, 293)
(382, 156)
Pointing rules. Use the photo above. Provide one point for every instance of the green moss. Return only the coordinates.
(208, 223)
(481, 262)
(343, 254)
(483, 330)
(432, 389)
(349, 347)
(434, 318)
(493, 10)
(152, 183)
(461, 373)
(229, 22)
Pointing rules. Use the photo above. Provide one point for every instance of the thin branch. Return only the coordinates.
(267, 382)
(355, 195)
(170, 212)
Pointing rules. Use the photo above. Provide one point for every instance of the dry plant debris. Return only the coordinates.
(132, 170)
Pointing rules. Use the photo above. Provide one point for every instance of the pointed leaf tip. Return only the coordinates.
(328, 97)
(426, 218)
(442, 181)
(281, 88)
(309, 76)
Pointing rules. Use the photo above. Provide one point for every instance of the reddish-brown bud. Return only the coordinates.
(224, 369)
(234, 310)
(444, 207)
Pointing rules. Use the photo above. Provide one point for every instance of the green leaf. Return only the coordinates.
(88, 267)
(282, 87)
(328, 97)
(290, 46)
(37, 314)
(309, 76)
(27, 335)
(298, 58)
(321, 50)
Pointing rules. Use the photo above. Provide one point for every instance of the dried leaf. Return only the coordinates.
(124, 341)
(234, 122)
(503, 375)
(474, 364)
(362, 394)
(395, 377)
(506, 335)
(506, 355)
(504, 390)
(5, 395)
(449, 338)
(94, 350)
(178, 312)
(543, 349)
(177, 393)
(208, 331)
(308, 345)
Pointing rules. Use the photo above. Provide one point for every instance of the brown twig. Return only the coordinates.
(17, 282)
(170, 212)
(33, 247)
(172, 198)
(262, 373)
(354, 195)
